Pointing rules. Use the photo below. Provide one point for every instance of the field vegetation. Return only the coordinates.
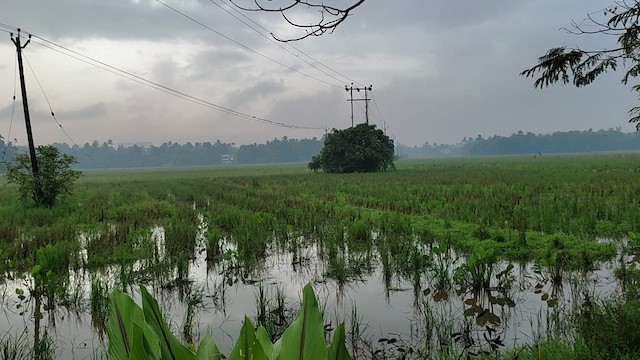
(468, 235)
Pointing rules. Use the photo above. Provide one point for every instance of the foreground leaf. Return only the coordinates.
(338, 348)
(125, 330)
(170, 347)
(304, 338)
(247, 346)
(208, 350)
(265, 341)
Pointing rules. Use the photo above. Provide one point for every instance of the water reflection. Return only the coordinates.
(394, 295)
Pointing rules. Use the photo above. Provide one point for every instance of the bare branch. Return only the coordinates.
(329, 16)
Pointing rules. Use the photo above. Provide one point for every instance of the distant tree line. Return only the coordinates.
(521, 143)
(279, 151)
(107, 155)
(558, 142)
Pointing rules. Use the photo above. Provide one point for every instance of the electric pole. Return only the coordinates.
(366, 100)
(366, 104)
(27, 118)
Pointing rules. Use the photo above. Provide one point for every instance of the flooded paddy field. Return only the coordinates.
(438, 258)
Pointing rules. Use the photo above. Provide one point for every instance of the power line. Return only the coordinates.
(13, 103)
(375, 103)
(133, 77)
(13, 108)
(244, 46)
(53, 115)
(289, 43)
(270, 39)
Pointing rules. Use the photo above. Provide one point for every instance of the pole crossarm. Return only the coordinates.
(350, 89)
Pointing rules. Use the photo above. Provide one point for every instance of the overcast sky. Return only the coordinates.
(440, 70)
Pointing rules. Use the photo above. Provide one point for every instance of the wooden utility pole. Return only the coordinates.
(27, 118)
(366, 100)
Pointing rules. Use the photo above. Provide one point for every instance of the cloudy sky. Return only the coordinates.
(440, 70)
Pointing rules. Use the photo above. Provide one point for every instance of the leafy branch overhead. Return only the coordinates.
(581, 67)
(328, 17)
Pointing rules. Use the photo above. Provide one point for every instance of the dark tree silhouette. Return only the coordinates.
(362, 148)
(328, 16)
(581, 67)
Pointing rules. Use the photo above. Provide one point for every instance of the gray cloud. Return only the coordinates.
(440, 70)
(97, 110)
(258, 91)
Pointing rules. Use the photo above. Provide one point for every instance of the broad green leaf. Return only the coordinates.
(208, 350)
(338, 349)
(140, 346)
(247, 345)
(304, 338)
(123, 329)
(264, 340)
(170, 347)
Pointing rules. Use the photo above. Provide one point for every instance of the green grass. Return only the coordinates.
(553, 210)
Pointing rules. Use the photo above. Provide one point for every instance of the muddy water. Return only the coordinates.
(222, 293)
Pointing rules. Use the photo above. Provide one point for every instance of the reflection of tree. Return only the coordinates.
(45, 294)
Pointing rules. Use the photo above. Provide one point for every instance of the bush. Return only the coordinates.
(55, 176)
(362, 148)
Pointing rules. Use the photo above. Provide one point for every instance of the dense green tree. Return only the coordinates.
(581, 67)
(56, 178)
(362, 148)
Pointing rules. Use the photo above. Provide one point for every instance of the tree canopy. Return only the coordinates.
(362, 148)
(581, 67)
(56, 178)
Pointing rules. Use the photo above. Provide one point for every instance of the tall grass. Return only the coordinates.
(554, 211)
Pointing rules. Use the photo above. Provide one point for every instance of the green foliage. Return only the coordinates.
(15, 348)
(582, 66)
(358, 223)
(362, 148)
(56, 178)
(478, 269)
(142, 333)
(610, 330)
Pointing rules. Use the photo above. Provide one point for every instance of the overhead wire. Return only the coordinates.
(10, 28)
(277, 43)
(53, 115)
(378, 114)
(157, 86)
(13, 102)
(55, 119)
(13, 108)
(154, 85)
(244, 46)
(375, 103)
(288, 43)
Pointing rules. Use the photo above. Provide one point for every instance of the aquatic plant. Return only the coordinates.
(141, 333)
(478, 269)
